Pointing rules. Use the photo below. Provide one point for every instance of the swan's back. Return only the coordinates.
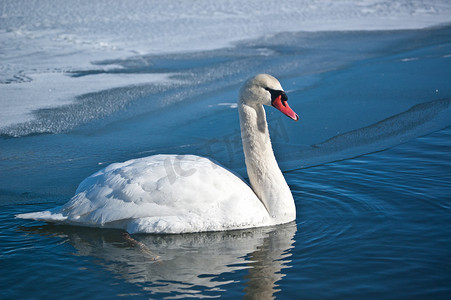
(162, 194)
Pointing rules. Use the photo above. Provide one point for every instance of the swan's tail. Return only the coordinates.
(53, 216)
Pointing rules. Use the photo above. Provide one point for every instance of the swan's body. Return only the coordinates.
(186, 193)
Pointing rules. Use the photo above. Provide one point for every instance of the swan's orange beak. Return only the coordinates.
(282, 105)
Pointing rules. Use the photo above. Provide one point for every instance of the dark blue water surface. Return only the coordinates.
(369, 166)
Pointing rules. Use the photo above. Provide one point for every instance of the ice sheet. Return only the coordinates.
(41, 42)
(56, 89)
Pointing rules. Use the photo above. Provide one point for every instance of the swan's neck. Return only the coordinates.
(264, 174)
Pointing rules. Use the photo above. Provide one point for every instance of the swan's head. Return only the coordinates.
(264, 89)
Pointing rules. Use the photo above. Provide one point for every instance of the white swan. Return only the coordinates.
(186, 193)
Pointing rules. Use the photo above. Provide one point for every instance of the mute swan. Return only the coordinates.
(187, 193)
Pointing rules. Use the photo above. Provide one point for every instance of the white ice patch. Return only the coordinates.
(49, 90)
(38, 39)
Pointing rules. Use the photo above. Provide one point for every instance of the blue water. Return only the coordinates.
(368, 164)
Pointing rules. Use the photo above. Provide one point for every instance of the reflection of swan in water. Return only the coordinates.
(189, 264)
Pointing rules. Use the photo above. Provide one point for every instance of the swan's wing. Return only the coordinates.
(162, 193)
